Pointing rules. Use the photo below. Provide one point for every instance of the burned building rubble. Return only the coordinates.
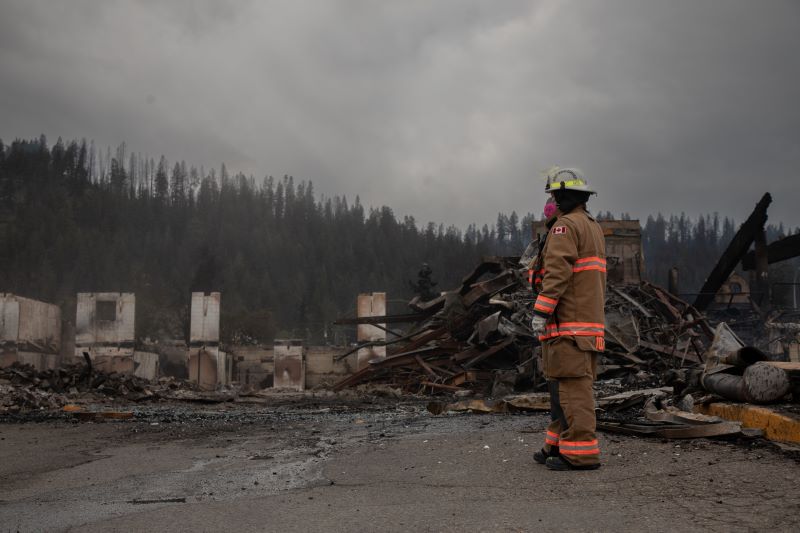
(745, 302)
(475, 339)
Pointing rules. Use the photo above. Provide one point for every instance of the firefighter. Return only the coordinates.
(570, 281)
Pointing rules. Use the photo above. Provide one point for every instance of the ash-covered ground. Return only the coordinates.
(369, 463)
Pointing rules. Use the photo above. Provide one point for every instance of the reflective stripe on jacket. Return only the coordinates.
(570, 278)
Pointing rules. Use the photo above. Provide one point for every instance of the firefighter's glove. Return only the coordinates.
(538, 325)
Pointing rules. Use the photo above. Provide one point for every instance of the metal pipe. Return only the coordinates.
(761, 383)
(726, 385)
(743, 357)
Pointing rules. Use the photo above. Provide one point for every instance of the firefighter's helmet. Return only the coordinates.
(569, 179)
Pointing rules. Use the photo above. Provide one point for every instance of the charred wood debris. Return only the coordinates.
(24, 389)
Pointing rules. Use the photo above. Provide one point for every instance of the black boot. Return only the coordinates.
(559, 463)
(541, 456)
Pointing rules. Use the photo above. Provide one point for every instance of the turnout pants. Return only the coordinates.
(570, 372)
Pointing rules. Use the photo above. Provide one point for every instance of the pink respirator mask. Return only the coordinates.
(550, 208)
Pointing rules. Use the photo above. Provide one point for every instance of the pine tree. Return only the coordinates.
(178, 184)
(161, 182)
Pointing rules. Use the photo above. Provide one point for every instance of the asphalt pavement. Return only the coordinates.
(381, 468)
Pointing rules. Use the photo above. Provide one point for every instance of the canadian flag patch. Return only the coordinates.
(560, 230)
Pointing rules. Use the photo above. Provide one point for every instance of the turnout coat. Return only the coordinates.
(569, 277)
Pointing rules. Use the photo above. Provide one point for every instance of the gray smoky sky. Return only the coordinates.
(447, 110)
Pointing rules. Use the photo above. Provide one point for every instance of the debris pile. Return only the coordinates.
(477, 338)
(648, 412)
(464, 339)
(649, 332)
(24, 388)
(661, 417)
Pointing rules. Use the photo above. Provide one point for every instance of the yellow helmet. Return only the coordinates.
(569, 179)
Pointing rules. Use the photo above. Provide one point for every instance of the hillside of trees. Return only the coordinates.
(287, 261)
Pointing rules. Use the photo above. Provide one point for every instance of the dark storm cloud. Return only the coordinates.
(447, 110)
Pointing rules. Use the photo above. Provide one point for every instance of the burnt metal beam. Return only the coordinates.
(733, 254)
(780, 250)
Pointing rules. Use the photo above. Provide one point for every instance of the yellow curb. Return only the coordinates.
(776, 426)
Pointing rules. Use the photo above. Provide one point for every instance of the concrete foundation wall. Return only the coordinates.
(255, 366)
(322, 371)
(30, 332)
(290, 365)
(373, 304)
(9, 319)
(146, 365)
(209, 367)
(26, 321)
(205, 313)
(105, 329)
(94, 330)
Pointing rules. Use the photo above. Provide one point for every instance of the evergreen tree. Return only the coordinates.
(162, 182)
(178, 183)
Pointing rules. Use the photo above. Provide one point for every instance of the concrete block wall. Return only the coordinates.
(322, 371)
(30, 332)
(146, 365)
(255, 366)
(204, 322)
(105, 323)
(208, 366)
(290, 364)
(372, 304)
